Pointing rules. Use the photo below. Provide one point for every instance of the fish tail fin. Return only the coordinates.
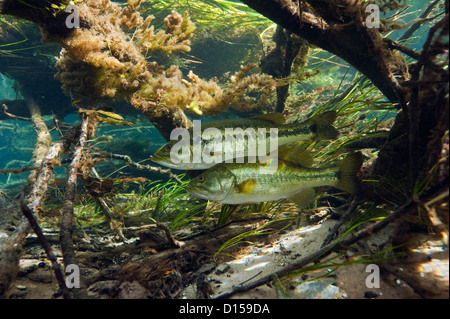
(324, 125)
(348, 167)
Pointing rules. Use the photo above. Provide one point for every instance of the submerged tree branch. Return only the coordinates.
(150, 168)
(339, 27)
(421, 20)
(44, 174)
(17, 170)
(69, 198)
(44, 160)
(43, 139)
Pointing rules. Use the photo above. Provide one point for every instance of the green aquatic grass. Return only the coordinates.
(226, 211)
(361, 110)
(169, 201)
(161, 201)
(381, 256)
(8, 49)
(217, 16)
(88, 213)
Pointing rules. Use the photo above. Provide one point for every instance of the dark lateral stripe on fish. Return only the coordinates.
(299, 130)
(314, 174)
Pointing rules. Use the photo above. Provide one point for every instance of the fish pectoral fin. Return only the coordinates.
(324, 125)
(276, 118)
(295, 154)
(247, 186)
(304, 197)
(325, 118)
(327, 132)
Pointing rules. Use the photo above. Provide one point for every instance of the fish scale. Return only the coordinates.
(285, 174)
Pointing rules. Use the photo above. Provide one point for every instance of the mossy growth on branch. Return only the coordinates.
(111, 57)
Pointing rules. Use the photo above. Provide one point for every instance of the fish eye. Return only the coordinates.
(201, 178)
(168, 147)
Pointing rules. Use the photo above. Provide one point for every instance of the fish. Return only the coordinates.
(294, 179)
(317, 127)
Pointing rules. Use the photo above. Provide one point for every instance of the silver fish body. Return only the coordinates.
(241, 138)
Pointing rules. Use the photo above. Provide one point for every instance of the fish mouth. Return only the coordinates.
(162, 161)
(155, 158)
(205, 194)
(198, 192)
(167, 162)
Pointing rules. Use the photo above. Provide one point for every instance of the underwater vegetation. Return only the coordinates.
(361, 112)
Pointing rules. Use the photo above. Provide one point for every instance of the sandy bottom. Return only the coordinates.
(338, 277)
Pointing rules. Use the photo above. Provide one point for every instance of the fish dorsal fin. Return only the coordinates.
(294, 154)
(276, 118)
(303, 198)
(247, 186)
(325, 118)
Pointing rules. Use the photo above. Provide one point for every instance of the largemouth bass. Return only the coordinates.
(238, 138)
(235, 183)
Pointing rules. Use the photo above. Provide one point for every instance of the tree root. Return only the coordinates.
(341, 30)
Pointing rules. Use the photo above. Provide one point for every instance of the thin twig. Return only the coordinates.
(334, 231)
(321, 253)
(12, 116)
(99, 201)
(17, 170)
(172, 241)
(56, 124)
(413, 54)
(47, 248)
(413, 28)
(252, 277)
(130, 162)
(398, 46)
(402, 276)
